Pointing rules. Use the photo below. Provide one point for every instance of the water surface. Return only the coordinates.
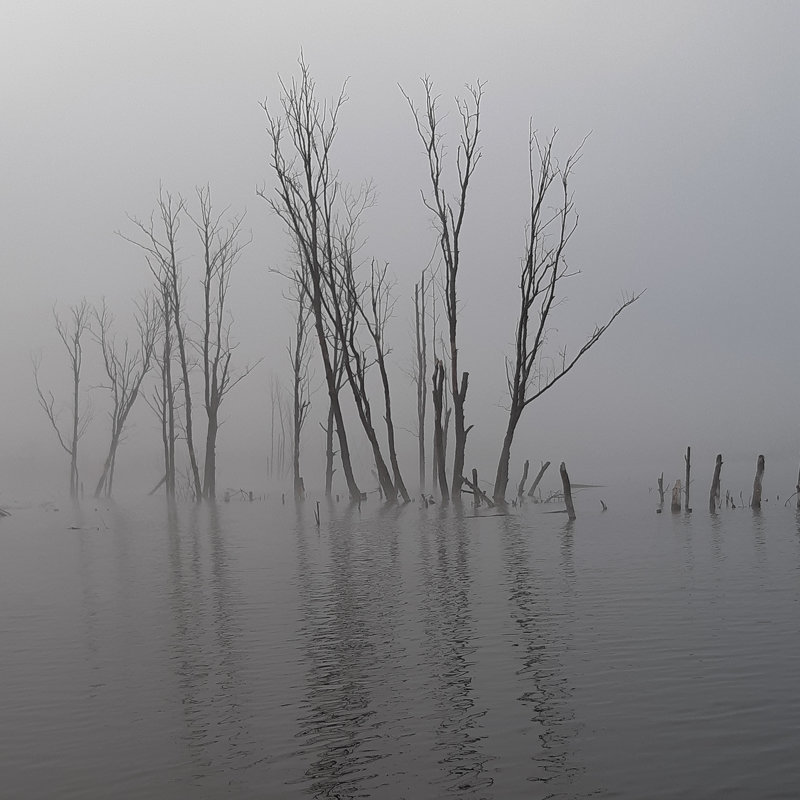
(240, 651)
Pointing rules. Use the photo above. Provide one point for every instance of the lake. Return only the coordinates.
(240, 651)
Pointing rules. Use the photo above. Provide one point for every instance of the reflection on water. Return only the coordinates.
(398, 652)
(449, 646)
(542, 635)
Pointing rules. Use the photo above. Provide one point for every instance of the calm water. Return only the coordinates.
(241, 652)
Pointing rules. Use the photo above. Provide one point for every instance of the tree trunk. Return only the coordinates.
(756, 501)
(538, 478)
(688, 458)
(713, 499)
(676, 497)
(661, 489)
(329, 454)
(501, 477)
(521, 487)
(438, 392)
(567, 491)
(210, 467)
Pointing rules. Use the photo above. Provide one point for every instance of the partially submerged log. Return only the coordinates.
(713, 499)
(756, 501)
(567, 490)
(676, 497)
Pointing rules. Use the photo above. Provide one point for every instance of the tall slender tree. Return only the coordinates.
(126, 368)
(306, 199)
(544, 268)
(71, 332)
(448, 215)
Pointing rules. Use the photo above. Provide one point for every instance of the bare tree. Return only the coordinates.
(377, 314)
(421, 368)
(162, 401)
(222, 246)
(299, 355)
(449, 218)
(125, 368)
(306, 199)
(544, 267)
(71, 333)
(438, 445)
(161, 252)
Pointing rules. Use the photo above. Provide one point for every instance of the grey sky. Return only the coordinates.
(687, 187)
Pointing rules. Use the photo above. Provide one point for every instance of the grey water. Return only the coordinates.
(240, 651)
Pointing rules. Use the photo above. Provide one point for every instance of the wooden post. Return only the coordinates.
(797, 488)
(688, 458)
(567, 490)
(756, 501)
(676, 497)
(535, 483)
(713, 499)
(661, 489)
(521, 487)
(476, 498)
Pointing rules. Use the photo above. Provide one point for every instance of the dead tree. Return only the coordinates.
(676, 497)
(544, 268)
(538, 478)
(437, 394)
(421, 369)
(379, 306)
(567, 486)
(160, 245)
(306, 199)
(713, 498)
(448, 215)
(661, 490)
(126, 369)
(71, 333)
(299, 356)
(756, 501)
(346, 301)
(222, 245)
(688, 459)
(521, 487)
(162, 401)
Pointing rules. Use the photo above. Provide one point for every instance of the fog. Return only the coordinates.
(687, 188)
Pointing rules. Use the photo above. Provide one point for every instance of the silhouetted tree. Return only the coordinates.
(543, 269)
(71, 332)
(448, 216)
(222, 245)
(307, 198)
(161, 252)
(125, 368)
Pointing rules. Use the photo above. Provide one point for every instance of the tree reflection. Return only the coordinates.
(350, 591)
(449, 647)
(541, 633)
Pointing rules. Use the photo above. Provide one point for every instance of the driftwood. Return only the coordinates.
(713, 499)
(536, 480)
(756, 501)
(688, 458)
(567, 490)
(476, 490)
(676, 497)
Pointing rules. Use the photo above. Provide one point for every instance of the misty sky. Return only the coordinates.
(688, 188)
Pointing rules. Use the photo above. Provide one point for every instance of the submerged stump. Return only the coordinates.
(756, 501)
(713, 498)
(567, 490)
